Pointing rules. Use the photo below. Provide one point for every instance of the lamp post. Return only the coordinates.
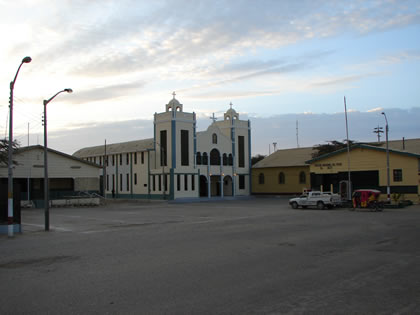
(388, 189)
(46, 189)
(10, 156)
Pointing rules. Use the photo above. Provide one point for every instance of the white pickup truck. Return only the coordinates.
(318, 199)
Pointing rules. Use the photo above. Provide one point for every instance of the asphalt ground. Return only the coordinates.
(254, 256)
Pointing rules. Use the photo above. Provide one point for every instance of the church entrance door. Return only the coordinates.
(215, 185)
(227, 186)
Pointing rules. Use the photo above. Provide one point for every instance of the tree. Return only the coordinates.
(257, 158)
(4, 150)
(331, 146)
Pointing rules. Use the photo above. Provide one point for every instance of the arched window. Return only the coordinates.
(198, 158)
(214, 157)
(230, 159)
(302, 178)
(225, 159)
(214, 138)
(205, 159)
(261, 179)
(281, 178)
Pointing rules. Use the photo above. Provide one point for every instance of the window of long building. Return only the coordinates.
(192, 182)
(135, 178)
(178, 182)
(154, 182)
(184, 148)
(128, 182)
(121, 159)
(121, 182)
(160, 182)
(127, 159)
(113, 160)
(241, 151)
(135, 157)
(107, 182)
(142, 158)
(185, 182)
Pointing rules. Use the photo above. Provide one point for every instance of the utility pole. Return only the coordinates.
(378, 130)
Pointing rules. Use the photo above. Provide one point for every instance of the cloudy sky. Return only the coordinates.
(278, 62)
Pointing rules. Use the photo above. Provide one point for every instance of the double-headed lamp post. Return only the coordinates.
(10, 156)
(388, 189)
(46, 188)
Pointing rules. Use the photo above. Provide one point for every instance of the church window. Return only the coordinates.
(214, 138)
(261, 179)
(225, 159)
(230, 159)
(302, 178)
(241, 151)
(281, 178)
(205, 158)
(163, 148)
(241, 181)
(214, 157)
(184, 148)
(198, 158)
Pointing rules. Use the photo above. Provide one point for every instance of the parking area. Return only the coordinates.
(255, 256)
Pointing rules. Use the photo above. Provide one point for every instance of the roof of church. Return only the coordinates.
(299, 156)
(116, 148)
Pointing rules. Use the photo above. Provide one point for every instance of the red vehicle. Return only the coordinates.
(367, 198)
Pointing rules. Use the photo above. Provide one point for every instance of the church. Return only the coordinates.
(178, 162)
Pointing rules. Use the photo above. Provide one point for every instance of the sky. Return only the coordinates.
(285, 65)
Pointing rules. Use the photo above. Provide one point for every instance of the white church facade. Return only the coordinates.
(179, 162)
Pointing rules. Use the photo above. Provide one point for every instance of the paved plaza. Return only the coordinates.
(255, 256)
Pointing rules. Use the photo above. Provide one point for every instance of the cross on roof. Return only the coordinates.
(230, 105)
(213, 118)
(174, 94)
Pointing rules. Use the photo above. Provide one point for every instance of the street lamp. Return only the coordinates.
(46, 189)
(10, 159)
(388, 189)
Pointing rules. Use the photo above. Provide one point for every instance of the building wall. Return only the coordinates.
(363, 159)
(271, 180)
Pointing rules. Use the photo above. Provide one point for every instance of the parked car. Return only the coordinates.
(318, 199)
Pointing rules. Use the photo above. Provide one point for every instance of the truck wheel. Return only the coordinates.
(320, 205)
(294, 205)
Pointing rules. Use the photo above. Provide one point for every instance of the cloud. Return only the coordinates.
(312, 129)
(115, 35)
(106, 92)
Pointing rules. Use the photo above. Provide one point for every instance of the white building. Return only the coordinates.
(179, 162)
(67, 174)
